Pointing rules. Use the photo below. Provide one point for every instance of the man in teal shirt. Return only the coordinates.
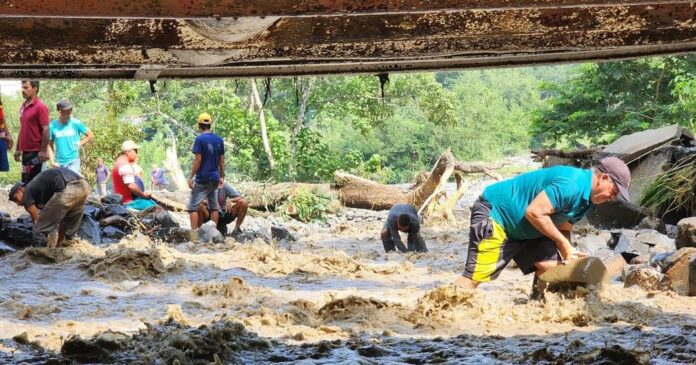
(65, 133)
(529, 218)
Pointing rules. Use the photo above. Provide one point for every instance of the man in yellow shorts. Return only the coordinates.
(529, 218)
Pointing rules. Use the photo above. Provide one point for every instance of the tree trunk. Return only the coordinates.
(262, 124)
(299, 122)
(428, 194)
(171, 164)
(357, 192)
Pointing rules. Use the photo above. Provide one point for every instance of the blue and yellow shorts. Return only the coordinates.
(490, 250)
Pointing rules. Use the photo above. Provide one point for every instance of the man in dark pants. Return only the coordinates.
(61, 194)
(32, 142)
(404, 218)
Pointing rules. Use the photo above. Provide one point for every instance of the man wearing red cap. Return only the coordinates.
(529, 218)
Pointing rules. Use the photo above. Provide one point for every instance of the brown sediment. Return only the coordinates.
(123, 262)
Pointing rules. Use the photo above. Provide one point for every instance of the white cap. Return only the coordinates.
(129, 145)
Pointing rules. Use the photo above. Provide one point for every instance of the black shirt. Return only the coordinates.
(393, 216)
(40, 190)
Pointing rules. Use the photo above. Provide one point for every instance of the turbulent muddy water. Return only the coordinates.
(331, 297)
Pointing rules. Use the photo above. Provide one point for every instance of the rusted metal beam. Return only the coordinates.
(97, 47)
(304, 67)
(260, 8)
(593, 25)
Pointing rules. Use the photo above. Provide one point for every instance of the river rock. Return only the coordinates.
(678, 271)
(112, 233)
(91, 210)
(89, 230)
(208, 233)
(640, 260)
(173, 234)
(672, 230)
(686, 233)
(112, 199)
(282, 233)
(635, 243)
(646, 277)
(653, 223)
(5, 249)
(160, 218)
(592, 243)
(113, 209)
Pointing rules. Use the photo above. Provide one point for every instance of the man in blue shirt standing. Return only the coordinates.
(207, 173)
(529, 218)
(65, 138)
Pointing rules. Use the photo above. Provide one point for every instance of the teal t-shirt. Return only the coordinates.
(66, 138)
(568, 189)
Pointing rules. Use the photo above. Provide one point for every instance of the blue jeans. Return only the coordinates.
(74, 166)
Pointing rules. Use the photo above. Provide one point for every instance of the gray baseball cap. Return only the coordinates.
(64, 104)
(618, 172)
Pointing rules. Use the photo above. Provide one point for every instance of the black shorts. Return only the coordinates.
(490, 250)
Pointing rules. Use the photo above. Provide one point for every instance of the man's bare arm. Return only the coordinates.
(33, 212)
(538, 213)
(43, 154)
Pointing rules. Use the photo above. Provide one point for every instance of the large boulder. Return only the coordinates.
(680, 271)
(617, 214)
(686, 233)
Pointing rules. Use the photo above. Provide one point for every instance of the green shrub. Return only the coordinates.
(308, 206)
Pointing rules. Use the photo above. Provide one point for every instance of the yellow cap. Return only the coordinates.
(205, 118)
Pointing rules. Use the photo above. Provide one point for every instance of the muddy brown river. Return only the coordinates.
(332, 297)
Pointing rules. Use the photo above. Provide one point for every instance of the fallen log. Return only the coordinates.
(357, 192)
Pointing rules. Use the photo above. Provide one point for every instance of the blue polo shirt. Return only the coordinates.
(568, 189)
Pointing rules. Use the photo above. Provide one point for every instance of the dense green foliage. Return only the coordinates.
(315, 125)
(603, 101)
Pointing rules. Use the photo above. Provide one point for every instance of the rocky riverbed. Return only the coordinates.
(330, 296)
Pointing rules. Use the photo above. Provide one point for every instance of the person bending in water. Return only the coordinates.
(529, 218)
(404, 218)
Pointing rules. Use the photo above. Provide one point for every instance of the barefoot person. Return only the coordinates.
(55, 199)
(404, 218)
(529, 218)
